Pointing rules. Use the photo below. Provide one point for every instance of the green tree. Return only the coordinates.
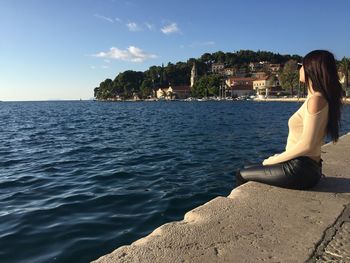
(219, 57)
(171, 95)
(171, 73)
(164, 94)
(96, 90)
(207, 86)
(104, 91)
(290, 76)
(128, 82)
(345, 68)
(109, 87)
(146, 88)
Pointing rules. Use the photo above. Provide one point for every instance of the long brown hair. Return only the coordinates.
(320, 67)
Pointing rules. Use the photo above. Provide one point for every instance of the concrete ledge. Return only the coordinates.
(345, 100)
(255, 223)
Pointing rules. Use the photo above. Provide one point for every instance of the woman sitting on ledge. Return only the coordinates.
(300, 165)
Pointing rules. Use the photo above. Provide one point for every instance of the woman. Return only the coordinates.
(300, 165)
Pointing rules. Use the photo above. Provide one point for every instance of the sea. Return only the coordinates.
(79, 179)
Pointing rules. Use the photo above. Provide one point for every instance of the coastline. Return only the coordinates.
(345, 100)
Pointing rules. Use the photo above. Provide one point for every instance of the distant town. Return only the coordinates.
(216, 76)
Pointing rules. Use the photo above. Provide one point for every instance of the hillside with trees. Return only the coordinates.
(129, 83)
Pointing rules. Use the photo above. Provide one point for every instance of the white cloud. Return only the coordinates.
(105, 66)
(104, 18)
(149, 26)
(92, 67)
(132, 54)
(132, 26)
(170, 28)
(118, 20)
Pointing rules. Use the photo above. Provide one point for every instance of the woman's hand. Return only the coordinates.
(268, 160)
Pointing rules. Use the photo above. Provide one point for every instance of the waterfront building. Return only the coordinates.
(265, 85)
(239, 86)
(174, 92)
(162, 93)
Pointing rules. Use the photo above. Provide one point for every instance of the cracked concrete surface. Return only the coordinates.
(259, 223)
(335, 245)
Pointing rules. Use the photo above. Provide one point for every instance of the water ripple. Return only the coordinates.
(79, 179)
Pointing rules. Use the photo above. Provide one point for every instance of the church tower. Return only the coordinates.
(193, 74)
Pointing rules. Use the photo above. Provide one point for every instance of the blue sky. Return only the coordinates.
(60, 49)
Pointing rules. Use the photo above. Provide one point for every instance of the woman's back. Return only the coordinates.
(307, 131)
(317, 112)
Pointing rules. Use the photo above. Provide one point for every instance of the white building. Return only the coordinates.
(174, 92)
(264, 85)
(217, 67)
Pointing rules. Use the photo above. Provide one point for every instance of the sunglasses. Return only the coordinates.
(299, 65)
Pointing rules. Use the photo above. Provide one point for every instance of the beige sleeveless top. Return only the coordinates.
(306, 135)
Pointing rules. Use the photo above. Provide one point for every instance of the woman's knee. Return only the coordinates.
(239, 179)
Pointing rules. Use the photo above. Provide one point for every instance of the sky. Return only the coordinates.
(63, 49)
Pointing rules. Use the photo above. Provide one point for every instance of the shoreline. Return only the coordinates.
(345, 100)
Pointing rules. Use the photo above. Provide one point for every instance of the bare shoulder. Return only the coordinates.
(316, 104)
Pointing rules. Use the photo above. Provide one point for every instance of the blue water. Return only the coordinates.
(79, 179)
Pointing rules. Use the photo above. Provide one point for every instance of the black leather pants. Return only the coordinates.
(298, 173)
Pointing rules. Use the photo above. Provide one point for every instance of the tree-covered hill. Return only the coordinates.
(129, 83)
